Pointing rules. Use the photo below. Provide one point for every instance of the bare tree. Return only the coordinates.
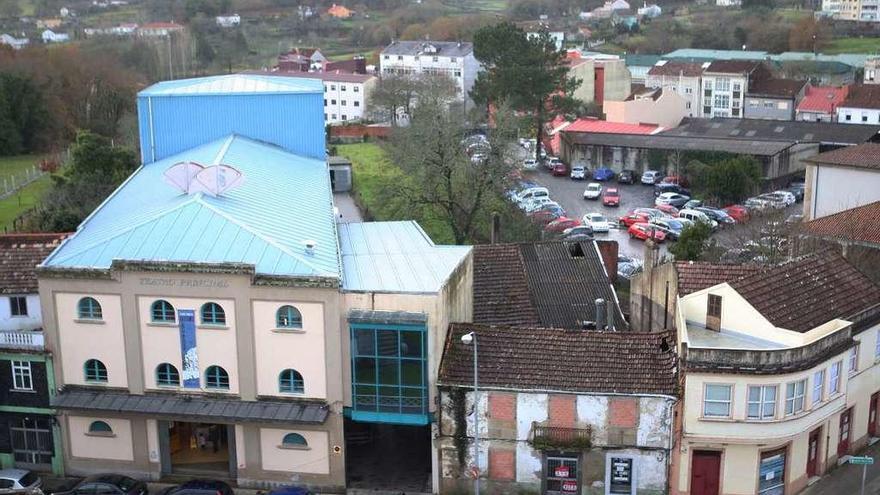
(396, 95)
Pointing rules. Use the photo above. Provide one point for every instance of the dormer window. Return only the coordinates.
(713, 313)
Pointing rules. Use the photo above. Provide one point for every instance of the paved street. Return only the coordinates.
(847, 479)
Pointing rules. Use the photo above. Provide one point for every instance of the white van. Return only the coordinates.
(532, 193)
(697, 216)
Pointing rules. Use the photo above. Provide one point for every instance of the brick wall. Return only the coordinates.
(502, 415)
(502, 464)
(563, 410)
(623, 420)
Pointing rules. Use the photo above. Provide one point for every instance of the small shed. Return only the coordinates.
(340, 173)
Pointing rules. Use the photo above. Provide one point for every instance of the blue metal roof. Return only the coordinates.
(395, 257)
(234, 84)
(285, 199)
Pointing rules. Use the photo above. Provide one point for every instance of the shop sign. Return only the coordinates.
(561, 472)
(569, 486)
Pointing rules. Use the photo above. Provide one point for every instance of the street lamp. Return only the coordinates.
(468, 339)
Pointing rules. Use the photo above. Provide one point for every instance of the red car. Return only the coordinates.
(633, 218)
(543, 216)
(643, 231)
(611, 197)
(675, 179)
(668, 209)
(560, 169)
(560, 224)
(738, 212)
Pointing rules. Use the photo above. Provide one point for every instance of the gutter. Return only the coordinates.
(552, 391)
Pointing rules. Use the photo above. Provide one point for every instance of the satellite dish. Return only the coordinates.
(217, 179)
(182, 175)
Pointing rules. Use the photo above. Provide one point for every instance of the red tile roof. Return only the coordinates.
(863, 96)
(19, 256)
(822, 99)
(605, 127)
(579, 361)
(865, 155)
(860, 224)
(698, 275)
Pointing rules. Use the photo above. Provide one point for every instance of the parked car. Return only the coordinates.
(290, 490)
(603, 174)
(535, 204)
(672, 227)
(651, 177)
(107, 484)
(669, 210)
(698, 216)
(651, 212)
(789, 198)
(596, 221)
(560, 224)
(578, 233)
(199, 487)
(692, 203)
(776, 201)
(531, 193)
(626, 176)
(544, 216)
(20, 481)
(551, 161)
(628, 267)
(611, 197)
(797, 192)
(632, 218)
(593, 190)
(644, 231)
(738, 212)
(559, 169)
(675, 179)
(665, 188)
(530, 164)
(674, 199)
(757, 205)
(717, 214)
(578, 172)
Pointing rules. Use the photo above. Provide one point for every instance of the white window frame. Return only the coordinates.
(762, 402)
(834, 383)
(818, 386)
(22, 375)
(795, 397)
(853, 360)
(729, 400)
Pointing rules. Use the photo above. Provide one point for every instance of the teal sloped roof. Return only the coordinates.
(234, 84)
(284, 200)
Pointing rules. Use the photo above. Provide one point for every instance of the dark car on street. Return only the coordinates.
(626, 176)
(200, 487)
(719, 215)
(108, 484)
(670, 188)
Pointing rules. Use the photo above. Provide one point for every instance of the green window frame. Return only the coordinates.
(389, 373)
(213, 314)
(167, 375)
(162, 311)
(89, 308)
(291, 381)
(288, 316)
(216, 378)
(100, 427)
(95, 371)
(294, 439)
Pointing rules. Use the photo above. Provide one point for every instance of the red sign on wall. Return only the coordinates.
(561, 472)
(569, 486)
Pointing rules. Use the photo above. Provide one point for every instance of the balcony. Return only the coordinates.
(22, 340)
(557, 437)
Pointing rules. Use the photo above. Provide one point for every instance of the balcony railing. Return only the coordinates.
(557, 437)
(23, 340)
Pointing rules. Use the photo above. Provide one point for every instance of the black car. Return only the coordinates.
(670, 188)
(626, 177)
(718, 215)
(200, 487)
(108, 484)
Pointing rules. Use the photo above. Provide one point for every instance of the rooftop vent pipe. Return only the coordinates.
(601, 319)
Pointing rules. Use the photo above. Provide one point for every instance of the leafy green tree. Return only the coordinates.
(528, 73)
(24, 115)
(694, 240)
(727, 181)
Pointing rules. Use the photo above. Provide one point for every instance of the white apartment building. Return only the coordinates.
(682, 78)
(853, 10)
(454, 59)
(861, 106)
(346, 96)
(724, 85)
(780, 384)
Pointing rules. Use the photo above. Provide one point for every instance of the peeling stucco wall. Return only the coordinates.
(655, 423)
(593, 410)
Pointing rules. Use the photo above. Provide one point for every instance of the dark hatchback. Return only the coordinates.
(626, 177)
(200, 487)
(108, 484)
(670, 188)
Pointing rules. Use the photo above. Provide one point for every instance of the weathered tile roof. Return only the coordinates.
(676, 68)
(785, 88)
(552, 359)
(698, 275)
(806, 292)
(19, 256)
(733, 66)
(865, 155)
(862, 96)
(550, 284)
(822, 99)
(858, 224)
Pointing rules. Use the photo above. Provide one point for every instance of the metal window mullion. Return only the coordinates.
(376, 366)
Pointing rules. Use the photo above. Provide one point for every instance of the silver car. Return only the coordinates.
(19, 481)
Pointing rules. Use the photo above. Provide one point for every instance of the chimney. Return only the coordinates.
(601, 319)
(496, 228)
(610, 317)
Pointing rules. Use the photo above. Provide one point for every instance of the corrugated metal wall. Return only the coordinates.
(171, 124)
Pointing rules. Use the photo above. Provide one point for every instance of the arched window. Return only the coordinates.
(162, 312)
(213, 314)
(167, 375)
(100, 427)
(95, 371)
(288, 317)
(88, 309)
(290, 381)
(217, 378)
(294, 440)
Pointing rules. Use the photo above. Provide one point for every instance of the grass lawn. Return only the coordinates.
(16, 166)
(375, 180)
(852, 45)
(23, 200)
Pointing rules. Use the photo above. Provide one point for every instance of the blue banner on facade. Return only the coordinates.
(190, 354)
